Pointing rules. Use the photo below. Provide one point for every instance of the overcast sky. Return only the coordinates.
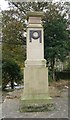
(4, 3)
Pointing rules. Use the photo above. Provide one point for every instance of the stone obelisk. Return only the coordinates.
(35, 71)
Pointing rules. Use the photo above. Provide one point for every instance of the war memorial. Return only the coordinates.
(35, 71)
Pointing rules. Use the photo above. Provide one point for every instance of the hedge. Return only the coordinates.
(65, 75)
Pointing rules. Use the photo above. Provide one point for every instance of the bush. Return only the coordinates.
(65, 75)
(50, 75)
(68, 66)
(0, 73)
(10, 72)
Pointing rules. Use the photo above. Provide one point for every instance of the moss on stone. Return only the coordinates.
(37, 108)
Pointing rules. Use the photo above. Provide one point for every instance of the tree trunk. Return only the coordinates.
(52, 67)
(12, 84)
(53, 74)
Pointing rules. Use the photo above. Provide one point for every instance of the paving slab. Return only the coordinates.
(11, 104)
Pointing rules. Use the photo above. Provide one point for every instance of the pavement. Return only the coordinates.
(11, 110)
(11, 103)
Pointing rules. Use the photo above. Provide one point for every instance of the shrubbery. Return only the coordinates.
(65, 75)
(10, 72)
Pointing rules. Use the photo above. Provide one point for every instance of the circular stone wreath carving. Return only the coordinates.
(35, 35)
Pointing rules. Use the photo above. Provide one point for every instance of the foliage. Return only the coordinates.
(0, 65)
(0, 74)
(10, 72)
(55, 30)
(55, 36)
(13, 40)
(64, 75)
(55, 33)
(68, 66)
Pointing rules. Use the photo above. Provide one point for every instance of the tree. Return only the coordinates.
(55, 24)
(10, 72)
(0, 49)
(13, 30)
(55, 36)
(13, 46)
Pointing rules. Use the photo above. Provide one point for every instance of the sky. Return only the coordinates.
(4, 3)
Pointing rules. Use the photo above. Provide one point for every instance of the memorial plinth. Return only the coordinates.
(35, 71)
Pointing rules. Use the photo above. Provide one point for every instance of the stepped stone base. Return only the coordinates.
(35, 86)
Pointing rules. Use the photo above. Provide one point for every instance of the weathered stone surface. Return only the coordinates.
(36, 83)
(35, 71)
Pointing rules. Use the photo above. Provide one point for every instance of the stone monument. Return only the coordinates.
(35, 71)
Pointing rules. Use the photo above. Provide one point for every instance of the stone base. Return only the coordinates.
(36, 105)
(35, 86)
(36, 102)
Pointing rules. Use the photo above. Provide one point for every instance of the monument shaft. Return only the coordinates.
(35, 71)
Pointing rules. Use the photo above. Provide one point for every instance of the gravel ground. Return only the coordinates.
(11, 103)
